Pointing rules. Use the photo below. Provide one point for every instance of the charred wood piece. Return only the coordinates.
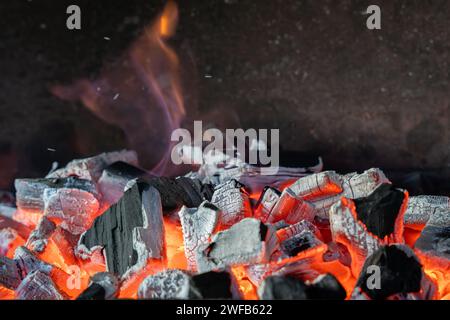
(216, 285)
(13, 271)
(30, 192)
(324, 287)
(364, 224)
(379, 211)
(233, 201)
(291, 209)
(180, 191)
(38, 238)
(298, 237)
(114, 179)
(266, 202)
(198, 225)
(435, 237)
(247, 242)
(103, 286)
(38, 286)
(398, 269)
(71, 209)
(361, 185)
(421, 208)
(131, 231)
(326, 183)
(92, 168)
(282, 288)
(169, 284)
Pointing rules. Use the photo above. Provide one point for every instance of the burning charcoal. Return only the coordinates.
(218, 168)
(421, 208)
(198, 226)
(326, 287)
(364, 224)
(399, 272)
(180, 191)
(21, 229)
(233, 201)
(435, 237)
(266, 202)
(361, 185)
(28, 262)
(131, 231)
(103, 286)
(354, 186)
(291, 209)
(169, 284)
(10, 274)
(282, 288)
(318, 185)
(9, 239)
(247, 242)
(114, 179)
(298, 237)
(39, 237)
(38, 286)
(216, 285)
(379, 211)
(30, 192)
(72, 209)
(92, 168)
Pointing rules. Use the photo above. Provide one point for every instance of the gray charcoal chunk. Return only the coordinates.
(38, 286)
(198, 226)
(435, 237)
(10, 274)
(92, 168)
(233, 202)
(30, 192)
(247, 242)
(169, 284)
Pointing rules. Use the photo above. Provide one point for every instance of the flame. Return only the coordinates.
(139, 93)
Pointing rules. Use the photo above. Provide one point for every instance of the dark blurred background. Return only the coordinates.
(357, 97)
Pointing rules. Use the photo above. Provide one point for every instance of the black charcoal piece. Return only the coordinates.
(38, 286)
(299, 243)
(216, 285)
(180, 191)
(282, 288)
(30, 192)
(326, 287)
(124, 170)
(103, 286)
(131, 231)
(380, 209)
(168, 284)
(435, 237)
(247, 242)
(114, 179)
(399, 271)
